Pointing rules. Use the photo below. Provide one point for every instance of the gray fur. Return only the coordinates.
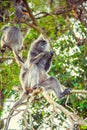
(12, 38)
(33, 72)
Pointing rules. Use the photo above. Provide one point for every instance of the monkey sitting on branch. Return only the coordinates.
(34, 72)
(21, 11)
(12, 38)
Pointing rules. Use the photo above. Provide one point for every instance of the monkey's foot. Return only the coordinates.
(66, 91)
(29, 90)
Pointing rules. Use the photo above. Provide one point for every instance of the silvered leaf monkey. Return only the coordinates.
(34, 73)
(34, 70)
(12, 38)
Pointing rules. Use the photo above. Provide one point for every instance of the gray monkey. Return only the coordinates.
(12, 38)
(34, 71)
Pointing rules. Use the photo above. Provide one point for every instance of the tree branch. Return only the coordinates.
(30, 13)
(79, 91)
(72, 117)
(61, 10)
(18, 104)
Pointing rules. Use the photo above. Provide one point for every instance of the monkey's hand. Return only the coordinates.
(66, 91)
(49, 54)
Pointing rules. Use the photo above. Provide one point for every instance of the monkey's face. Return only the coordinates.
(42, 44)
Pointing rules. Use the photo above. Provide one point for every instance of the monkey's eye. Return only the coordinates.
(42, 43)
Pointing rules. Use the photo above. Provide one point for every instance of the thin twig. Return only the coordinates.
(67, 105)
(79, 91)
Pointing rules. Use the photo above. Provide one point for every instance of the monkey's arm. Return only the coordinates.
(5, 44)
(2, 40)
(36, 58)
(48, 63)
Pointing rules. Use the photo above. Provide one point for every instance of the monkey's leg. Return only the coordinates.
(54, 84)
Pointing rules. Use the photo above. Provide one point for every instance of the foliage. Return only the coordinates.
(68, 38)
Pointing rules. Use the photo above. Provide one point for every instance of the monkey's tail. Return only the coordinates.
(17, 104)
(18, 59)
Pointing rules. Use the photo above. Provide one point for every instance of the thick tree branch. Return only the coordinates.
(18, 104)
(35, 27)
(30, 12)
(35, 23)
(72, 117)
